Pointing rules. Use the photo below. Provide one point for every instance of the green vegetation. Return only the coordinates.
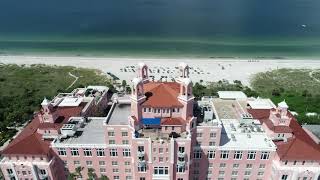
(298, 87)
(212, 89)
(295, 86)
(24, 87)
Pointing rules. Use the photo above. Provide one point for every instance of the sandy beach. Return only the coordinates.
(201, 69)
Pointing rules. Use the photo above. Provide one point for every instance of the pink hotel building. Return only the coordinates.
(155, 134)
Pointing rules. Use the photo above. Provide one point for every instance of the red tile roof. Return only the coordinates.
(162, 94)
(300, 147)
(30, 142)
(172, 121)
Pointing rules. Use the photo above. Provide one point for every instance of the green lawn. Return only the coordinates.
(24, 87)
(295, 86)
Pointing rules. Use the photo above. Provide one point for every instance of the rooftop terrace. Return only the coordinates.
(239, 129)
(119, 113)
(92, 132)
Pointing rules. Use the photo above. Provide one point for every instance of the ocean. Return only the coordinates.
(162, 28)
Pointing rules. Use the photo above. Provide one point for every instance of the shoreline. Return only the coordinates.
(205, 69)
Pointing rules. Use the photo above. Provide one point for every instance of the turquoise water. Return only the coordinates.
(162, 28)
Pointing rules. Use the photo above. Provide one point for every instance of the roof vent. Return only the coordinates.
(233, 137)
(248, 135)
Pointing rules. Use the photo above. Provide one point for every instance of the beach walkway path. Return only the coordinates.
(75, 80)
(311, 75)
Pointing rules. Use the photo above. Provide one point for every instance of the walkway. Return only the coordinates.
(76, 79)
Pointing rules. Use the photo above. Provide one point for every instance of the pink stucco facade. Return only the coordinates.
(153, 134)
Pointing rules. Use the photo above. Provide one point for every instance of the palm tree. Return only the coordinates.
(91, 174)
(78, 171)
(103, 177)
(72, 176)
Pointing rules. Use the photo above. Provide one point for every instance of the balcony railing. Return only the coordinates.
(142, 163)
(43, 176)
(181, 163)
(181, 154)
(140, 153)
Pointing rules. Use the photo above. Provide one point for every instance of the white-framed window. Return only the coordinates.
(247, 173)
(211, 154)
(126, 152)
(180, 169)
(224, 155)
(260, 173)
(160, 170)
(9, 171)
(235, 166)
(124, 134)
(199, 134)
(213, 135)
(102, 170)
(249, 166)
(251, 155)
(111, 133)
(144, 109)
(100, 152)
(212, 143)
(237, 155)
(89, 163)
(102, 163)
(262, 166)
(125, 141)
(114, 163)
(141, 148)
(112, 141)
(74, 151)
(43, 172)
(62, 151)
(87, 152)
(222, 165)
(221, 173)
(234, 173)
(76, 162)
(127, 163)
(116, 170)
(210, 165)
(265, 155)
(284, 177)
(128, 177)
(113, 152)
(127, 170)
(116, 177)
(142, 168)
(197, 154)
(160, 150)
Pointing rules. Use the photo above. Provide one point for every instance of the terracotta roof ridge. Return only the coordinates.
(17, 142)
(291, 144)
(172, 92)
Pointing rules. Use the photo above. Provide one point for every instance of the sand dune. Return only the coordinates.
(201, 69)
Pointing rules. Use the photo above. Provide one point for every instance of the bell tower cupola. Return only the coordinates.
(143, 72)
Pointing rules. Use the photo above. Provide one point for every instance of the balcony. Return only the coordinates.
(142, 163)
(140, 154)
(181, 154)
(43, 176)
(181, 163)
